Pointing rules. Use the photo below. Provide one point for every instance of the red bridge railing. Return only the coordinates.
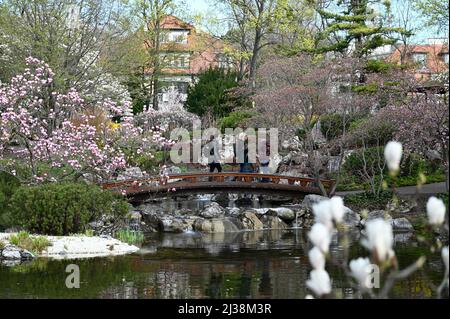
(229, 180)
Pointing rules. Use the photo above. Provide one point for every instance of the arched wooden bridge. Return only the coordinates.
(206, 183)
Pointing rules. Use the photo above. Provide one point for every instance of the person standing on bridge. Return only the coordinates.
(214, 156)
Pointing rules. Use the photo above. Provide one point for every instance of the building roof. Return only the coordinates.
(434, 62)
(173, 23)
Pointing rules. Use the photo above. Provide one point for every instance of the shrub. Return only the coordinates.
(61, 209)
(234, 119)
(368, 201)
(208, 95)
(8, 185)
(2, 244)
(33, 244)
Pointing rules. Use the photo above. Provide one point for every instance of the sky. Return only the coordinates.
(206, 6)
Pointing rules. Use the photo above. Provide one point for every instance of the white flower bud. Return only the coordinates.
(319, 282)
(435, 211)
(320, 237)
(316, 258)
(360, 270)
(379, 238)
(393, 155)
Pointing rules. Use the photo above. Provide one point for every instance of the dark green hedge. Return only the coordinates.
(62, 209)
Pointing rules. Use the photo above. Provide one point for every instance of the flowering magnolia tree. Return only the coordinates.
(364, 274)
(55, 135)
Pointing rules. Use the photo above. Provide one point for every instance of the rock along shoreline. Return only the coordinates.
(69, 247)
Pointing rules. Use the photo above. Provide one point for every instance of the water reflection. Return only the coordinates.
(266, 264)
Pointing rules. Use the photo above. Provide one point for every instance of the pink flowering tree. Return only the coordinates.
(50, 135)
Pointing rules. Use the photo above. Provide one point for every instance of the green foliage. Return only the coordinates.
(234, 119)
(368, 200)
(379, 66)
(34, 244)
(8, 185)
(2, 244)
(367, 88)
(61, 209)
(357, 24)
(208, 95)
(130, 236)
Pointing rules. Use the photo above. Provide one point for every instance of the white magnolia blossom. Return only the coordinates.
(319, 282)
(320, 237)
(393, 155)
(322, 213)
(328, 210)
(435, 211)
(445, 257)
(337, 209)
(379, 239)
(316, 258)
(360, 270)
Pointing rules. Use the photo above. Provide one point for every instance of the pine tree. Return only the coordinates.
(208, 95)
(355, 25)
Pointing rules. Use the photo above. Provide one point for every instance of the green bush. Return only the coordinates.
(8, 185)
(368, 200)
(61, 209)
(208, 95)
(2, 244)
(234, 119)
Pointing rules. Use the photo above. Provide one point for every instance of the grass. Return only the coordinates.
(34, 244)
(130, 236)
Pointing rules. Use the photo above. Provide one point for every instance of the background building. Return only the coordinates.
(186, 53)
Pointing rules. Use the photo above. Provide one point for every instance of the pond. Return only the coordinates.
(265, 264)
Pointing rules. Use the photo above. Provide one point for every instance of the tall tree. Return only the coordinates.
(436, 13)
(69, 35)
(356, 26)
(252, 23)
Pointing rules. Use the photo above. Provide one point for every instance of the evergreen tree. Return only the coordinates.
(208, 95)
(356, 25)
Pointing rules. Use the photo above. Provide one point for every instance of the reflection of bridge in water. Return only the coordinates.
(206, 183)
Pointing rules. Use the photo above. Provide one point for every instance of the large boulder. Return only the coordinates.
(272, 221)
(286, 214)
(177, 225)
(251, 221)
(213, 210)
(215, 225)
(233, 211)
(402, 224)
(12, 252)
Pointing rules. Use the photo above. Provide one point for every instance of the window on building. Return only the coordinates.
(420, 58)
(176, 36)
(176, 60)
